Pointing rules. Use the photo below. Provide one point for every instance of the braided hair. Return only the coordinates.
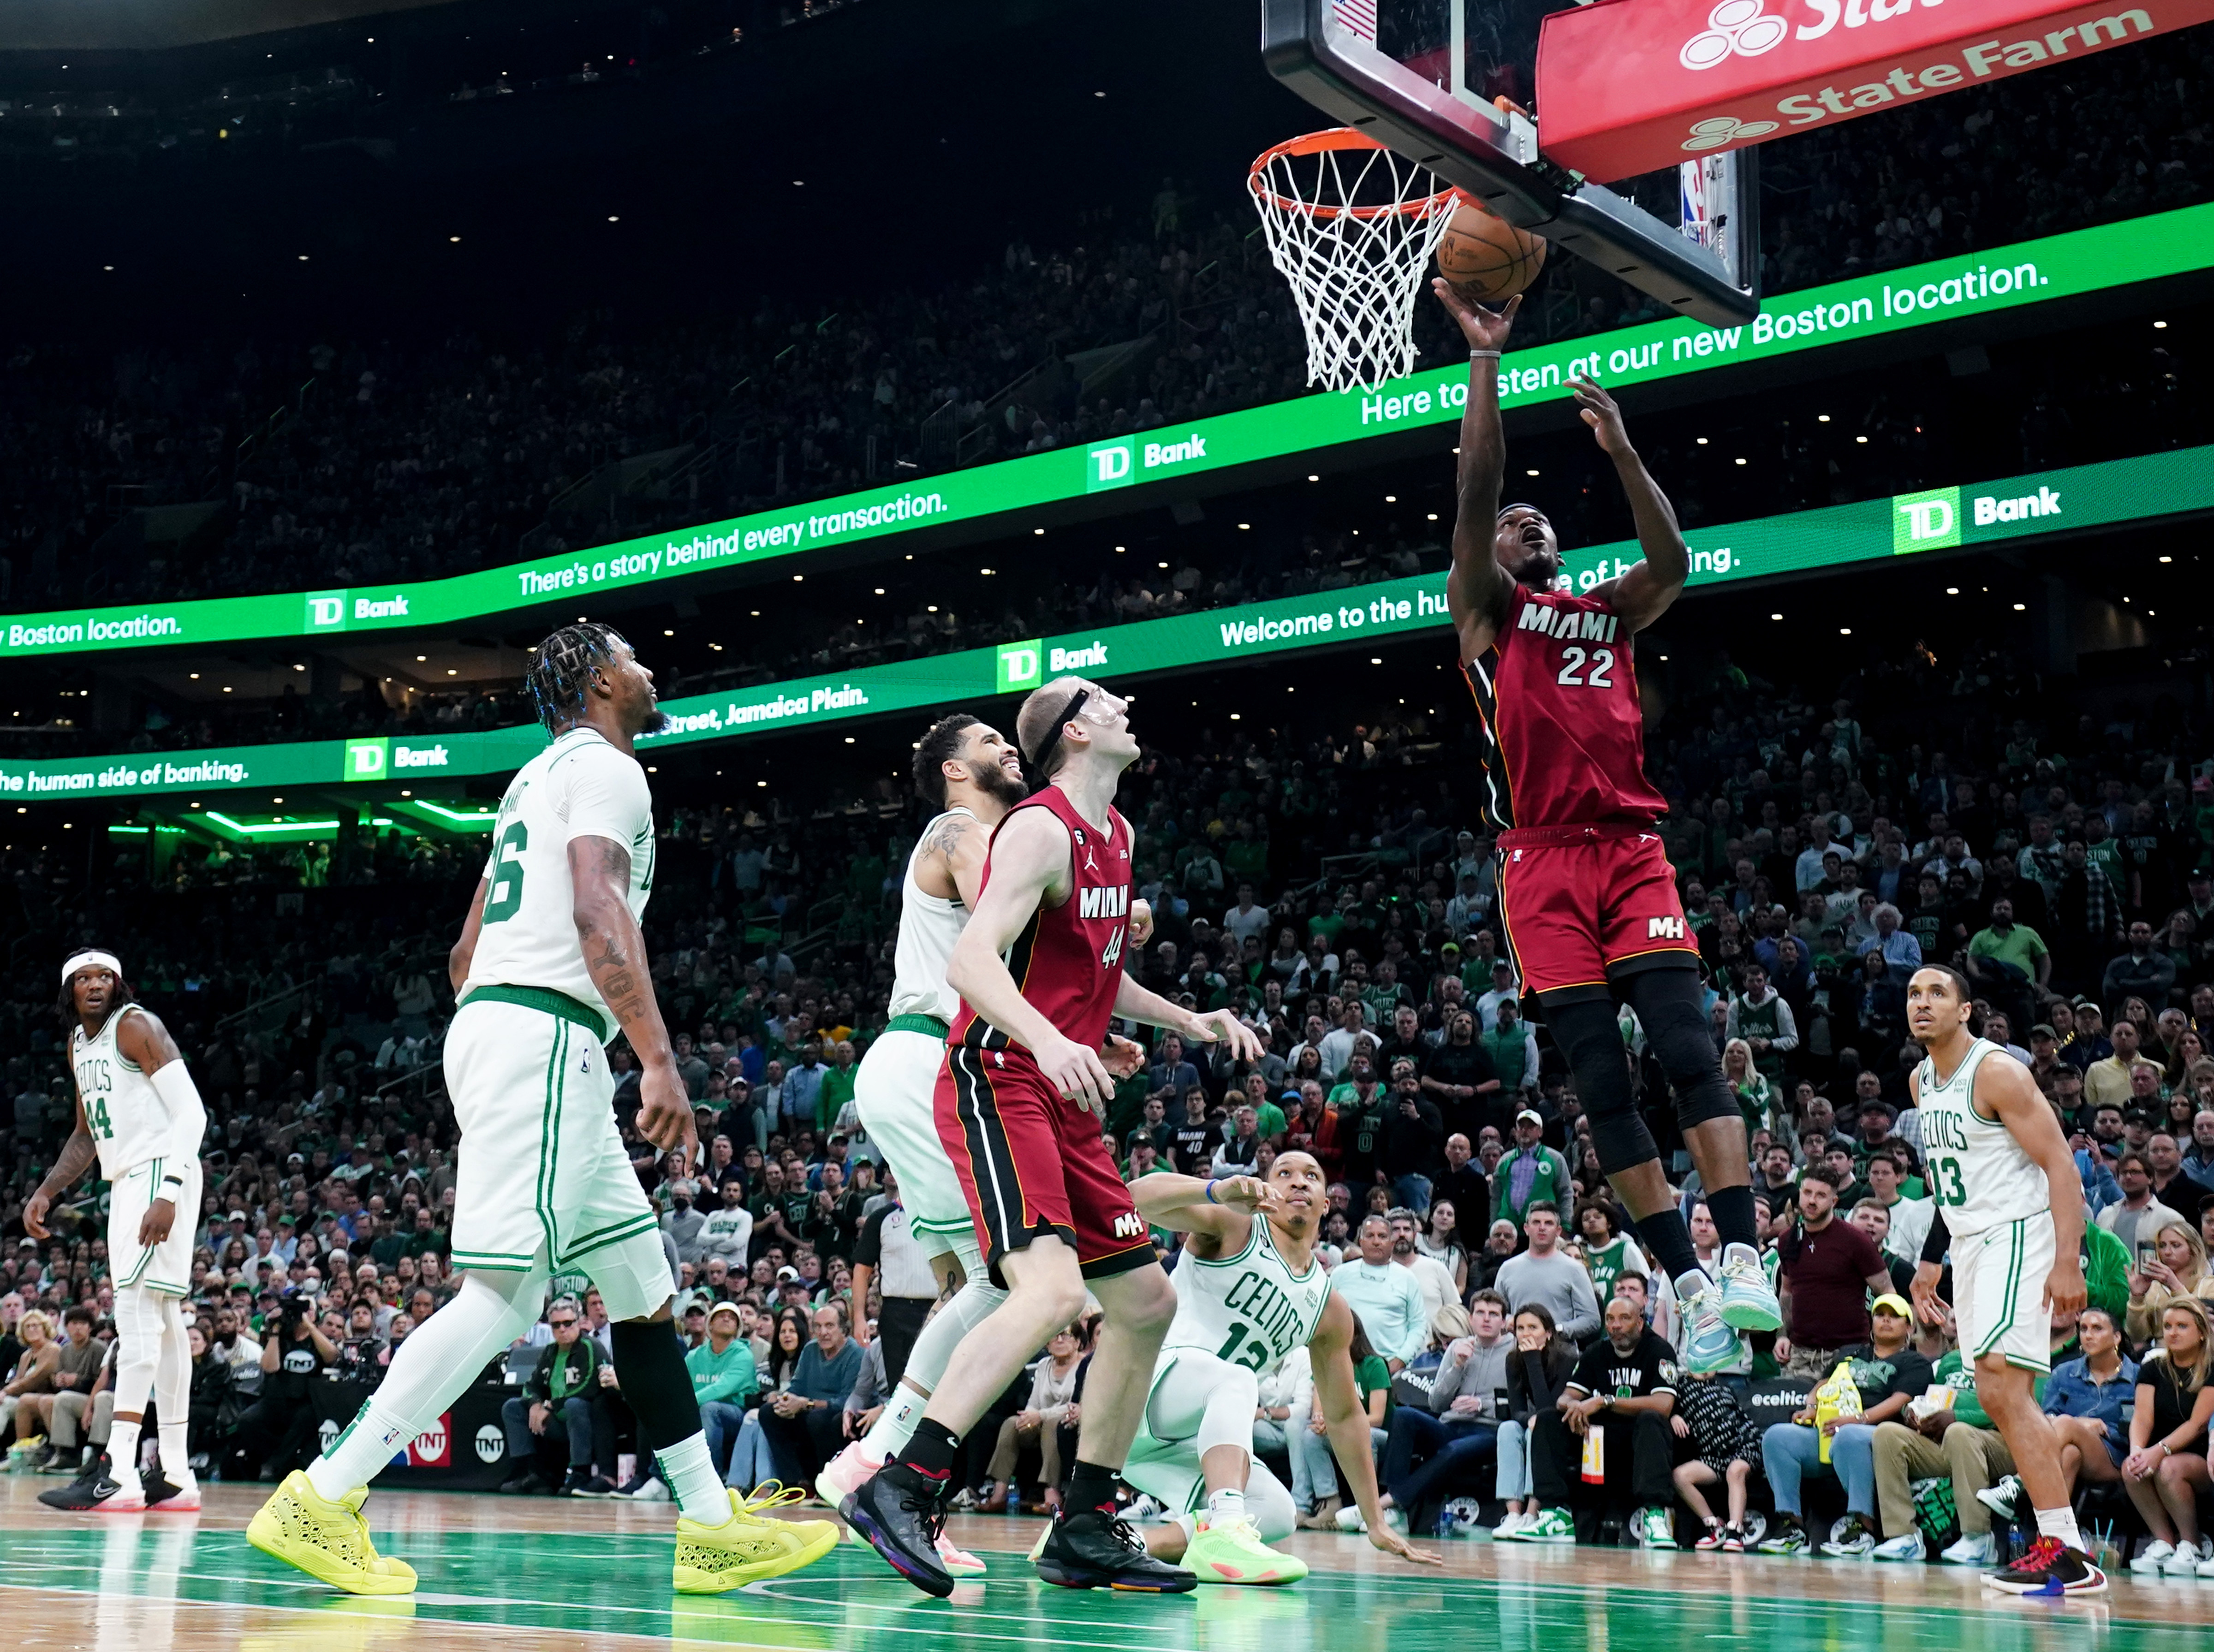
(67, 1003)
(562, 668)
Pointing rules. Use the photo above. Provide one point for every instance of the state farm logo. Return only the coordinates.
(1717, 130)
(1735, 28)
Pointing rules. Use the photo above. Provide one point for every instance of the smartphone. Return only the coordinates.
(2146, 1253)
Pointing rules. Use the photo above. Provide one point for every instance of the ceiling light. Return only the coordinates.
(1703, 441)
(1821, 418)
(2021, 607)
(1862, 440)
(1527, 473)
(612, 218)
(1040, 532)
(1391, 499)
(2159, 326)
(1845, 631)
(1372, 660)
(421, 658)
(450, 671)
(1952, 591)
(299, 668)
(455, 240)
(1737, 461)
(1776, 616)
(1244, 526)
(880, 591)
(196, 676)
(798, 579)
(668, 633)
(2168, 558)
(304, 258)
(1312, 479)
(1434, 515)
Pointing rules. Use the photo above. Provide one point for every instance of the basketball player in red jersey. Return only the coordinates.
(1585, 892)
(1030, 1067)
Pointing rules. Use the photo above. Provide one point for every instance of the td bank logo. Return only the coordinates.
(367, 760)
(326, 611)
(1019, 667)
(1925, 522)
(1107, 464)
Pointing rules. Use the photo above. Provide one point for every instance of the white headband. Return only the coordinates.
(85, 960)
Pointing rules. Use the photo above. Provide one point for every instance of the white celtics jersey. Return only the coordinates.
(1250, 1308)
(1979, 1176)
(129, 1121)
(578, 786)
(928, 926)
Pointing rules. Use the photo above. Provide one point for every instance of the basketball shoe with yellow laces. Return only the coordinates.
(752, 1545)
(328, 1540)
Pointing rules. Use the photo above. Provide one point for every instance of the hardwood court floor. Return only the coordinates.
(500, 1574)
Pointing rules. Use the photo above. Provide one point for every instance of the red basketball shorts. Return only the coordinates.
(1032, 1163)
(1585, 905)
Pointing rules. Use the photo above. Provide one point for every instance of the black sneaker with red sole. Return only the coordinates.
(2048, 1567)
(1093, 1548)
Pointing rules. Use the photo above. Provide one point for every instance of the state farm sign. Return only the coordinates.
(1631, 85)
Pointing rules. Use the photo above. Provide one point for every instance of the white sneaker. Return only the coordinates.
(1980, 1551)
(2206, 1568)
(1509, 1527)
(1349, 1518)
(2182, 1562)
(2152, 1557)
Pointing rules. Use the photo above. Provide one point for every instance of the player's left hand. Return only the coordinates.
(1597, 409)
(1223, 1026)
(1247, 1193)
(1924, 1290)
(153, 1227)
(664, 1110)
(1383, 1536)
(1120, 1056)
(2063, 1286)
(1141, 922)
(34, 1214)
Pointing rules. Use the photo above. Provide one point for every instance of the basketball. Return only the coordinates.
(1485, 257)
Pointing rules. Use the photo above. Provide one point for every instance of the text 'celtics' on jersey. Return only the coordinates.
(578, 786)
(1980, 1174)
(1250, 1309)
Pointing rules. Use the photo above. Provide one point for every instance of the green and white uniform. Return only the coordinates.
(544, 1185)
(139, 1143)
(896, 1083)
(1236, 1320)
(1998, 1210)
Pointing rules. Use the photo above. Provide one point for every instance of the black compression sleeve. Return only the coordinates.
(1935, 1246)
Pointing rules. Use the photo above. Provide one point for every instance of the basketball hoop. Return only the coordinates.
(1352, 226)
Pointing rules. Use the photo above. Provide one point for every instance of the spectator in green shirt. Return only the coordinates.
(2006, 956)
(836, 1088)
(723, 1381)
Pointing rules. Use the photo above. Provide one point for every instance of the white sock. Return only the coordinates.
(441, 1357)
(2060, 1523)
(1741, 1253)
(1224, 1505)
(895, 1425)
(690, 1470)
(176, 1459)
(123, 1451)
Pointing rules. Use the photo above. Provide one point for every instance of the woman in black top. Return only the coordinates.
(2166, 1470)
(1537, 1371)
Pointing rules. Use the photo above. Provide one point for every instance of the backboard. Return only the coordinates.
(1424, 78)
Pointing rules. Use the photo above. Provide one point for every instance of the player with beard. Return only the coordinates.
(1250, 1291)
(1585, 892)
(972, 775)
(550, 964)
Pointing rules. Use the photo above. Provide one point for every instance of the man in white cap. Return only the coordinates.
(137, 1111)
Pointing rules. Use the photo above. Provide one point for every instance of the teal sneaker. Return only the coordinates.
(1909, 1547)
(1554, 1526)
(1709, 1345)
(1748, 1299)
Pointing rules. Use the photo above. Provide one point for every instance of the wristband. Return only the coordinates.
(172, 1181)
(1210, 1191)
(1483, 355)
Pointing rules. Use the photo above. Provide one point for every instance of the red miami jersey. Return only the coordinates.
(1564, 736)
(1068, 960)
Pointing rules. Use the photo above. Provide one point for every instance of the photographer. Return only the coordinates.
(279, 1430)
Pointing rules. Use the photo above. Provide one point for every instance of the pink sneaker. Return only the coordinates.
(841, 1477)
(958, 1561)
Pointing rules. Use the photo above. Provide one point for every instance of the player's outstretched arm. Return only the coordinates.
(1030, 861)
(1224, 1208)
(2005, 1091)
(1644, 593)
(1331, 1355)
(1136, 1003)
(1478, 590)
(614, 956)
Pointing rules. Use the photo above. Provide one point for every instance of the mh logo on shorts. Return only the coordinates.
(1129, 1225)
(1664, 929)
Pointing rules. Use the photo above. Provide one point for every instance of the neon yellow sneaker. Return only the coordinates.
(328, 1540)
(752, 1545)
(1231, 1551)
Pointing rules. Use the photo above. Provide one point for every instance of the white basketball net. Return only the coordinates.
(1352, 227)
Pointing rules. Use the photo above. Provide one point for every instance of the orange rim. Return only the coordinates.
(1335, 138)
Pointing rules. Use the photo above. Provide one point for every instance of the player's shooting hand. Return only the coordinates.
(1077, 1072)
(1248, 1193)
(664, 1110)
(1381, 1536)
(1597, 409)
(2063, 1286)
(34, 1214)
(1484, 328)
(1924, 1290)
(1120, 1056)
(1223, 1026)
(153, 1227)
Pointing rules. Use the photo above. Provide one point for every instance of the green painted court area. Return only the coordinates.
(577, 1585)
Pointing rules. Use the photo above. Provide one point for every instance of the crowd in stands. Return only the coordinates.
(1336, 890)
(359, 462)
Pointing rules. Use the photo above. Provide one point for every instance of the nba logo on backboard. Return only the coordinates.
(326, 611)
(1107, 465)
(434, 1447)
(1017, 667)
(1925, 522)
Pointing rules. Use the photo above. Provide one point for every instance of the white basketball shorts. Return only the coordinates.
(1998, 1292)
(166, 1267)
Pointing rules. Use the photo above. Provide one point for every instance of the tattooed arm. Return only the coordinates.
(614, 956)
(77, 1156)
(951, 866)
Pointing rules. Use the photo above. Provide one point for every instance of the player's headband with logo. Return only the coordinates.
(1053, 737)
(90, 959)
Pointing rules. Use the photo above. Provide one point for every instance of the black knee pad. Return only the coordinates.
(1591, 1038)
(1676, 1032)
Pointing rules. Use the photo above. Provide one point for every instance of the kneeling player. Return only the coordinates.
(1249, 1291)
